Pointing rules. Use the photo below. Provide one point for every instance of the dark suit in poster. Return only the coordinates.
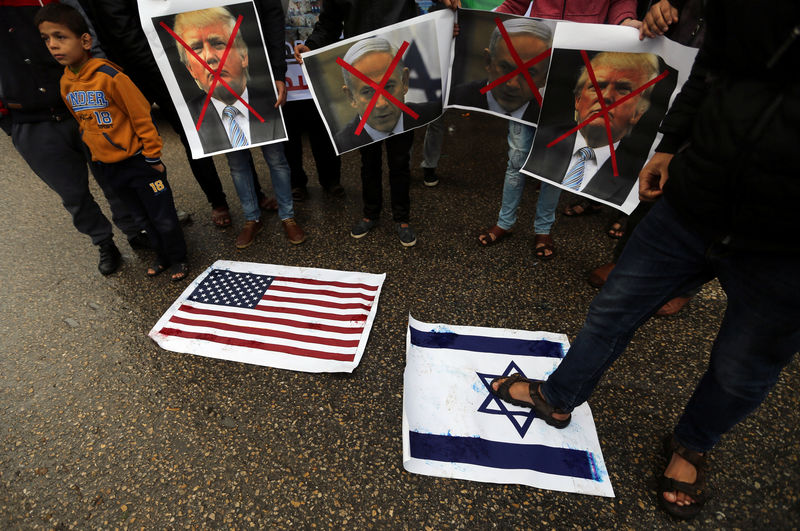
(469, 95)
(347, 140)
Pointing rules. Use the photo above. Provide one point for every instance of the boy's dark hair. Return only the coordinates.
(62, 14)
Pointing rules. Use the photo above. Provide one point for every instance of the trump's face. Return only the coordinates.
(516, 92)
(209, 43)
(614, 83)
(385, 114)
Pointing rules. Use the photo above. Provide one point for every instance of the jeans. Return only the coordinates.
(242, 175)
(432, 147)
(520, 139)
(398, 156)
(759, 334)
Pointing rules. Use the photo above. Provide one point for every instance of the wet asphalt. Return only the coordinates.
(101, 429)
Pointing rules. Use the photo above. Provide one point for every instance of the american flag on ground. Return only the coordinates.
(313, 320)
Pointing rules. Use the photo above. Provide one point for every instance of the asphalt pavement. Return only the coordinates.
(101, 429)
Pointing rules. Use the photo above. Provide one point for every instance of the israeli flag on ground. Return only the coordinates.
(454, 427)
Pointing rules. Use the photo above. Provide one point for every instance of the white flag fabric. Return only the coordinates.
(304, 319)
(454, 427)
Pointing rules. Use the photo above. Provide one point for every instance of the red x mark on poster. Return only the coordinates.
(604, 108)
(522, 67)
(216, 73)
(379, 87)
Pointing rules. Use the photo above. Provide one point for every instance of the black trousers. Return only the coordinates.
(300, 117)
(398, 157)
(146, 191)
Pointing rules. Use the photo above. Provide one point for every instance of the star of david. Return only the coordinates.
(521, 420)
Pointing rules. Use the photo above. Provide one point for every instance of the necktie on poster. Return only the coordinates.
(454, 427)
(305, 319)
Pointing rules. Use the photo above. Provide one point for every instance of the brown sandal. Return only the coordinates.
(582, 208)
(221, 217)
(493, 235)
(543, 410)
(543, 243)
(696, 490)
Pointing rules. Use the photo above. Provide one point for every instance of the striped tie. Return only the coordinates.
(235, 132)
(575, 175)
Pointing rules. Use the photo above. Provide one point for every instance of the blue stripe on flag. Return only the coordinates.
(500, 345)
(477, 451)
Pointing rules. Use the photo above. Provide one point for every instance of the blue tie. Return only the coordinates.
(575, 175)
(235, 132)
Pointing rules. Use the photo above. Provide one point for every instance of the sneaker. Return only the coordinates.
(110, 258)
(406, 233)
(337, 190)
(293, 231)
(300, 194)
(429, 177)
(248, 235)
(362, 228)
(140, 241)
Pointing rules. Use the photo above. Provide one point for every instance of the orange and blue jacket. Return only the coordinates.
(113, 115)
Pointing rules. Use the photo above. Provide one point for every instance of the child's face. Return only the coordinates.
(65, 47)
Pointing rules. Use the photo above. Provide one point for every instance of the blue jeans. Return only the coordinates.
(759, 333)
(520, 139)
(279, 172)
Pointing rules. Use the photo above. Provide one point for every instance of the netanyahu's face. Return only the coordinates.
(614, 83)
(209, 43)
(516, 92)
(385, 114)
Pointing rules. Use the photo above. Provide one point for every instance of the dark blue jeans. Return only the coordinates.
(759, 333)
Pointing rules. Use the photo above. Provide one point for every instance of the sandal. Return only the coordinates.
(156, 268)
(543, 410)
(617, 229)
(543, 243)
(493, 235)
(696, 490)
(221, 217)
(178, 271)
(582, 208)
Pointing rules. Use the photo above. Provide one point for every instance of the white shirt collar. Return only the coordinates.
(601, 155)
(243, 119)
(380, 135)
(494, 106)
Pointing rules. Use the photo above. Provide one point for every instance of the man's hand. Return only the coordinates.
(658, 19)
(653, 177)
(452, 4)
(300, 48)
(632, 22)
(281, 86)
(158, 167)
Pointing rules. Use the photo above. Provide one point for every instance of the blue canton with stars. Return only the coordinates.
(521, 420)
(229, 288)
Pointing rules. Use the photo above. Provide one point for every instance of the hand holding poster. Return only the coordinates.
(213, 60)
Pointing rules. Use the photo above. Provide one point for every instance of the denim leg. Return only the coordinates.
(520, 139)
(546, 208)
(759, 335)
(242, 175)
(281, 176)
(432, 147)
(662, 259)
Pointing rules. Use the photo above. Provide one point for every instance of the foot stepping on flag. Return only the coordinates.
(454, 427)
(313, 320)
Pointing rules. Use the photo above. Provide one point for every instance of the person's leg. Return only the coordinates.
(240, 165)
(372, 179)
(520, 138)
(64, 171)
(398, 158)
(280, 173)
(432, 146)
(546, 208)
(328, 163)
(295, 121)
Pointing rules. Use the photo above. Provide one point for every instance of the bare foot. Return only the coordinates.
(682, 470)
(521, 391)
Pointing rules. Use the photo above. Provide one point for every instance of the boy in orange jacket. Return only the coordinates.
(115, 122)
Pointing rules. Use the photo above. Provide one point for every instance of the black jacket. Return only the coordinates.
(738, 179)
(354, 17)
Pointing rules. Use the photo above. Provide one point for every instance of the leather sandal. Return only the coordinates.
(156, 268)
(697, 490)
(542, 243)
(582, 208)
(493, 235)
(221, 217)
(543, 410)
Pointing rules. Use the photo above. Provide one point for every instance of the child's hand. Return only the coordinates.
(159, 167)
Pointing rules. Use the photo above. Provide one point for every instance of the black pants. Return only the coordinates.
(398, 157)
(300, 117)
(146, 191)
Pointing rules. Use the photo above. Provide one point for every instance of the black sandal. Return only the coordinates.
(543, 410)
(696, 490)
(178, 271)
(157, 268)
